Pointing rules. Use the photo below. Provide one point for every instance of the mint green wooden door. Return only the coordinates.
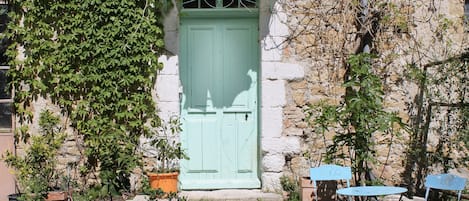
(219, 70)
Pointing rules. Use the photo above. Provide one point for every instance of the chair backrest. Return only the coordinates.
(328, 173)
(331, 172)
(445, 182)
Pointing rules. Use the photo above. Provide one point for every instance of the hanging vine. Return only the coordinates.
(97, 60)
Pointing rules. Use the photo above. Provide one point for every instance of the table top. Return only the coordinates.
(371, 190)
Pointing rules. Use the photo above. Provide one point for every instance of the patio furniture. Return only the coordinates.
(445, 182)
(371, 191)
(328, 173)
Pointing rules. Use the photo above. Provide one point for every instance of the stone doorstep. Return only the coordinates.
(231, 195)
(223, 195)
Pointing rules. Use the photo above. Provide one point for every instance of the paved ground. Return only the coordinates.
(396, 198)
(247, 195)
(231, 195)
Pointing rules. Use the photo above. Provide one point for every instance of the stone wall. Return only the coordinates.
(323, 34)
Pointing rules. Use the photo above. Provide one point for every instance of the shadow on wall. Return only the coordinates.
(218, 64)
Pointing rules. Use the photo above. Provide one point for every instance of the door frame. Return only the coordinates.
(234, 13)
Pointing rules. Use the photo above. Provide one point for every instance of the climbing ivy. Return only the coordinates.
(97, 60)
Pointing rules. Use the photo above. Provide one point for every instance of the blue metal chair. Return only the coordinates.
(328, 173)
(445, 182)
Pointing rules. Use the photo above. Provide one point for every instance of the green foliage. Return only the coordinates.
(391, 15)
(291, 187)
(167, 148)
(360, 116)
(97, 60)
(36, 170)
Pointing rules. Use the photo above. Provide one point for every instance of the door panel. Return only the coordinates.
(219, 64)
(201, 44)
(202, 127)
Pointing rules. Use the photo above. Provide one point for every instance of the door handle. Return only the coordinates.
(246, 117)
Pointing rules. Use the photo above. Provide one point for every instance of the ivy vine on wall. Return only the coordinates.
(97, 60)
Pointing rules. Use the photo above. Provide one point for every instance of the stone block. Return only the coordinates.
(283, 71)
(268, 50)
(170, 65)
(167, 110)
(273, 162)
(278, 26)
(273, 93)
(292, 131)
(294, 113)
(292, 145)
(271, 182)
(272, 145)
(455, 8)
(271, 122)
(300, 166)
(167, 88)
(273, 35)
(317, 89)
(299, 97)
(300, 85)
(283, 145)
(301, 124)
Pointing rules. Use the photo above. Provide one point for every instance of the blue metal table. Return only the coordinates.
(371, 191)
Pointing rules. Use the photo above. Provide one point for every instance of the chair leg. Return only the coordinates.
(426, 194)
(316, 193)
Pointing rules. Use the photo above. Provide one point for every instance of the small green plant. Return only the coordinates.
(290, 186)
(146, 189)
(36, 169)
(168, 149)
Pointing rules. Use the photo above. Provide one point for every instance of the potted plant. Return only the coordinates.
(36, 169)
(168, 152)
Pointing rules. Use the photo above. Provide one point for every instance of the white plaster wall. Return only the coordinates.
(168, 88)
(168, 85)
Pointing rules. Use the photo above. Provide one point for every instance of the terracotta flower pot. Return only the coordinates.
(167, 182)
(56, 196)
(307, 189)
